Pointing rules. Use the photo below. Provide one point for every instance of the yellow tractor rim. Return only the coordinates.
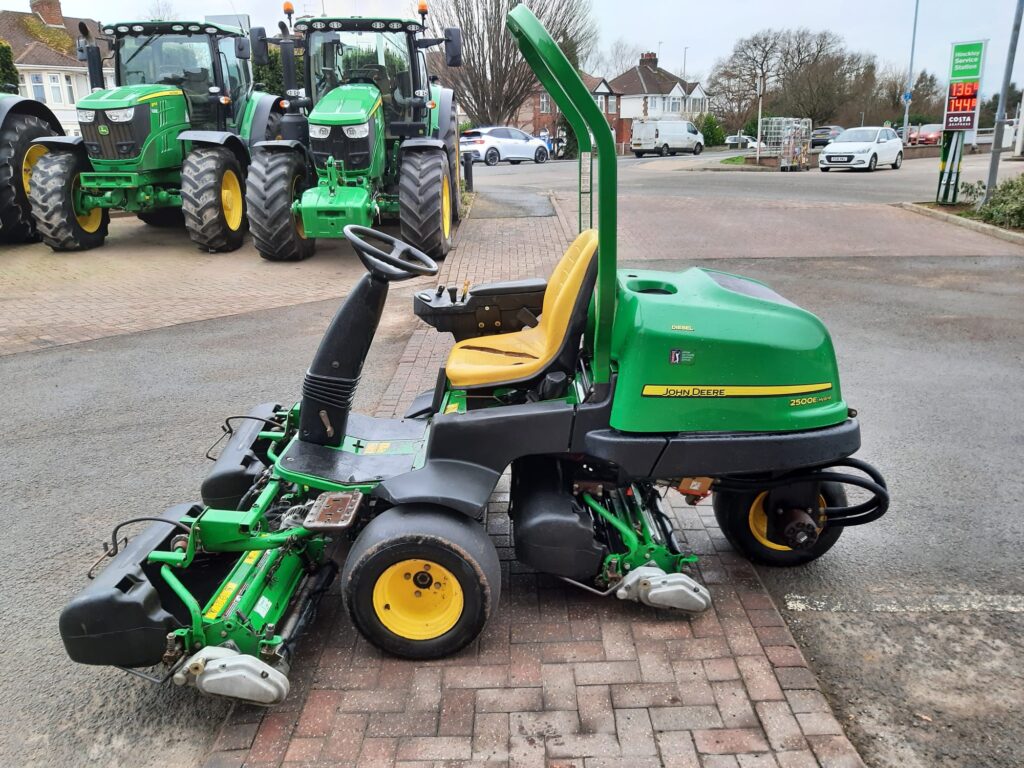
(758, 522)
(418, 599)
(231, 199)
(28, 163)
(90, 221)
(446, 209)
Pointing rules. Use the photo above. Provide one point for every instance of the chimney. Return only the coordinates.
(650, 59)
(49, 11)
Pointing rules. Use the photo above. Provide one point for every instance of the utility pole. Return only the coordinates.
(997, 134)
(760, 98)
(910, 78)
(685, 49)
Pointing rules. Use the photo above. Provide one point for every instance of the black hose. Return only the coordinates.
(119, 526)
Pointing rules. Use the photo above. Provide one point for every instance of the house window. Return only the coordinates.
(600, 102)
(675, 105)
(22, 89)
(38, 89)
(70, 88)
(545, 103)
(55, 89)
(613, 105)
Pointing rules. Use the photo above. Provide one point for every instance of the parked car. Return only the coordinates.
(926, 134)
(742, 141)
(863, 148)
(823, 134)
(665, 137)
(494, 144)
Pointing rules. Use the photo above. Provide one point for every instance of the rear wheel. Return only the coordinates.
(56, 195)
(898, 162)
(213, 199)
(638, 154)
(163, 217)
(421, 582)
(744, 522)
(425, 202)
(18, 158)
(276, 180)
(492, 157)
(540, 156)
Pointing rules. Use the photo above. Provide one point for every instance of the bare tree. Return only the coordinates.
(161, 10)
(494, 79)
(892, 80)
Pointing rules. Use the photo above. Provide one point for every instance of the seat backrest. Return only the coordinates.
(568, 279)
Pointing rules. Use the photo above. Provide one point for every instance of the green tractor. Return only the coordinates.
(22, 122)
(598, 389)
(368, 135)
(170, 143)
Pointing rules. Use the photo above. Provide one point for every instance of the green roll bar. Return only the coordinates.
(564, 85)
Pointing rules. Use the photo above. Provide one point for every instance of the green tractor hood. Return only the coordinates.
(346, 105)
(127, 96)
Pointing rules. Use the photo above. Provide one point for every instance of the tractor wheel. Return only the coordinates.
(744, 522)
(450, 137)
(213, 199)
(273, 132)
(421, 582)
(55, 187)
(424, 199)
(276, 180)
(17, 160)
(165, 218)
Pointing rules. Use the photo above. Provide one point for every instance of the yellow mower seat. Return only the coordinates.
(489, 361)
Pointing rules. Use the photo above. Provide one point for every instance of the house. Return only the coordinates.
(43, 44)
(540, 113)
(647, 90)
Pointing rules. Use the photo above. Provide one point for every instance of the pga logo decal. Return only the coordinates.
(680, 357)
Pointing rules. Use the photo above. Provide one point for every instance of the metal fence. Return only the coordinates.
(789, 139)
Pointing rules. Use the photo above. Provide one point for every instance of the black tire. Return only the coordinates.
(163, 217)
(450, 137)
(54, 182)
(638, 154)
(540, 156)
(734, 512)
(461, 554)
(276, 179)
(273, 130)
(213, 199)
(422, 181)
(16, 138)
(898, 162)
(698, 148)
(663, 151)
(493, 157)
(872, 163)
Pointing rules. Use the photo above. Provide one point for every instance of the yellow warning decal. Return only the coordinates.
(221, 601)
(376, 447)
(158, 94)
(252, 557)
(713, 390)
(452, 408)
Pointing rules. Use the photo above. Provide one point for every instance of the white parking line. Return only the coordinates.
(964, 603)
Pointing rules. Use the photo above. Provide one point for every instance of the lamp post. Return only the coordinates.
(685, 49)
(997, 134)
(910, 77)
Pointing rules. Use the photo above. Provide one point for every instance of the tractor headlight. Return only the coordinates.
(120, 115)
(357, 131)
(319, 131)
(86, 115)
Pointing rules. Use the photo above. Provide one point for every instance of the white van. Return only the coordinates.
(665, 137)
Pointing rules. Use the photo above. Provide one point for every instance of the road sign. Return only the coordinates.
(967, 62)
(907, 97)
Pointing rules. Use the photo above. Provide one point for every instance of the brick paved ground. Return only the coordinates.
(559, 677)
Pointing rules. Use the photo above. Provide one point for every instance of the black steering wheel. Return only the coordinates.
(400, 263)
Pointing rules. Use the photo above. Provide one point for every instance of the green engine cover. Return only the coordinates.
(703, 350)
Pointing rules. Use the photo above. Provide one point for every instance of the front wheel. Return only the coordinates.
(213, 199)
(57, 204)
(698, 148)
(276, 180)
(540, 156)
(898, 162)
(872, 163)
(421, 582)
(492, 157)
(744, 522)
(425, 202)
(663, 151)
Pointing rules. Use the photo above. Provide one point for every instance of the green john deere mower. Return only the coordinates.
(367, 136)
(598, 389)
(171, 143)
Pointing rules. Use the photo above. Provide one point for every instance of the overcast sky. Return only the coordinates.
(881, 27)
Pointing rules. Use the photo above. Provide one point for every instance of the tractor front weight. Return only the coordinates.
(335, 202)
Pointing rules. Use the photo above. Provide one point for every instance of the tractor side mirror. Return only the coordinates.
(259, 49)
(453, 47)
(243, 48)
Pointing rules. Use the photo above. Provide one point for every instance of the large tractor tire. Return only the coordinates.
(421, 582)
(425, 194)
(55, 185)
(213, 199)
(17, 161)
(164, 218)
(276, 180)
(450, 137)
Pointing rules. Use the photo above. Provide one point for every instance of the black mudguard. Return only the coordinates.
(62, 143)
(238, 465)
(219, 139)
(17, 105)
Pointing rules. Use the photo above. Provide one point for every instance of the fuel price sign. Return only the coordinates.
(962, 105)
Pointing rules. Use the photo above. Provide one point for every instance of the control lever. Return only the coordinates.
(465, 289)
(453, 292)
(440, 291)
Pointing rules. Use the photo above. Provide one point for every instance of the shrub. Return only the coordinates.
(8, 73)
(971, 192)
(714, 135)
(1006, 206)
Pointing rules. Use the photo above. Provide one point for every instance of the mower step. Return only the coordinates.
(333, 511)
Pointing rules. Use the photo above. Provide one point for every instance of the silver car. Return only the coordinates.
(494, 144)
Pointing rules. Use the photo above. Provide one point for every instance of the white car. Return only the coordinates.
(494, 144)
(664, 137)
(743, 141)
(863, 148)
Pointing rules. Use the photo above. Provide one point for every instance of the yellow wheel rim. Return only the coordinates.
(231, 199)
(28, 163)
(89, 222)
(758, 522)
(446, 208)
(418, 599)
